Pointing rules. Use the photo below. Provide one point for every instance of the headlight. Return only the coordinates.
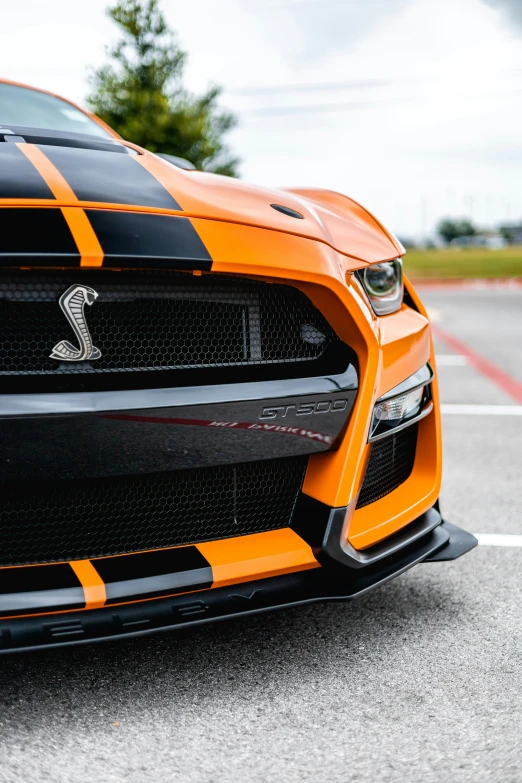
(383, 285)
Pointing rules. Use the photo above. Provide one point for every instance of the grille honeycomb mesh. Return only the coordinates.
(390, 464)
(68, 520)
(158, 321)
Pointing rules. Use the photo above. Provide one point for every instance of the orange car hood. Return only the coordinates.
(66, 172)
(327, 216)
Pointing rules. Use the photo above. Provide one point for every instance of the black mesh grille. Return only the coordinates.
(390, 464)
(158, 321)
(68, 520)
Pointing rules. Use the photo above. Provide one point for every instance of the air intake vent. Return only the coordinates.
(390, 464)
(67, 520)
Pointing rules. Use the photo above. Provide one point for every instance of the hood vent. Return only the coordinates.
(19, 134)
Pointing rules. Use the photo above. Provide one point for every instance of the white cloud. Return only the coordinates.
(309, 32)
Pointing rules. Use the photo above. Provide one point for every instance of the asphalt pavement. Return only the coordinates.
(419, 680)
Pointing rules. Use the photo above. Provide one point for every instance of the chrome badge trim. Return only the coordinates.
(73, 302)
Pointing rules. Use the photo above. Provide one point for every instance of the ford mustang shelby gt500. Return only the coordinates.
(216, 399)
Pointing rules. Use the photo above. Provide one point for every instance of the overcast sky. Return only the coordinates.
(413, 107)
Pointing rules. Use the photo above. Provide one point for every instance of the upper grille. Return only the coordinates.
(68, 520)
(160, 321)
(390, 464)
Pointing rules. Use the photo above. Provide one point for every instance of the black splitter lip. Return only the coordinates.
(333, 583)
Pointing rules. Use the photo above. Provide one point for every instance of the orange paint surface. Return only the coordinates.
(257, 556)
(91, 253)
(92, 583)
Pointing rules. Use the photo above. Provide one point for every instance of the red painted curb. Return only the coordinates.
(504, 381)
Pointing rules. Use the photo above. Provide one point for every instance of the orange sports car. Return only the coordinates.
(216, 399)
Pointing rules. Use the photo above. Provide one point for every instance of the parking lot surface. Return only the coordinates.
(417, 680)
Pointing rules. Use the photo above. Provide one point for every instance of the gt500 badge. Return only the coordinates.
(304, 409)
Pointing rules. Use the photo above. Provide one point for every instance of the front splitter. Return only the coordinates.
(329, 583)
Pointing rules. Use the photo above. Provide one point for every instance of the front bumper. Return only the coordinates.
(332, 582)
(105, 592)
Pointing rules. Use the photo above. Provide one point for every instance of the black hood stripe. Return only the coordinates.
(18, 177)
(140, 239)
(108, 178)
(36, 236)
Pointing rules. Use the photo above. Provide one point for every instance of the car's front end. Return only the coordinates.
(215, 399)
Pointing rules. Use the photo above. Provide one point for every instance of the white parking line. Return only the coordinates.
(451, 360)
(481, 410)
(498, 539)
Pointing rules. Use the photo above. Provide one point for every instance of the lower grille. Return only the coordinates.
(390, 464)
(70, 520)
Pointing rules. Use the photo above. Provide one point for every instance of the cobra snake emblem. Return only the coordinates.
(73, 303)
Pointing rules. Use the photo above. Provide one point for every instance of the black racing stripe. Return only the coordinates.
(149, 574)
(140, 239)
(45, 588)
(38, 236)
(18, 176)
(109, 178)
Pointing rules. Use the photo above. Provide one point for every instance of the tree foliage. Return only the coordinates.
(140, 92)
(453, 229)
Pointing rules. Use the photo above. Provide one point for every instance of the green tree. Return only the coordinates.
(140, 93)
(506, 233)
(452, 229)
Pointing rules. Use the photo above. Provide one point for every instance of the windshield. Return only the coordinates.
(23, 106)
